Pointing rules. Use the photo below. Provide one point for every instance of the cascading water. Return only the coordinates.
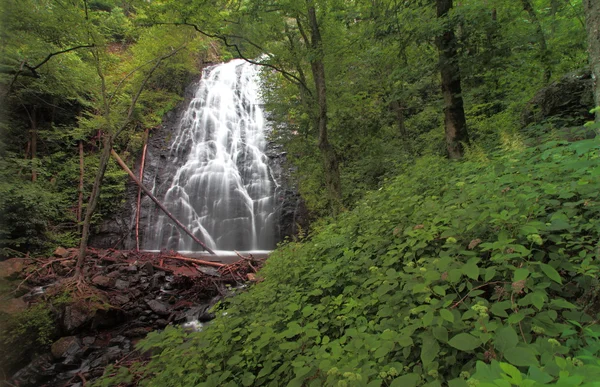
(224, 191)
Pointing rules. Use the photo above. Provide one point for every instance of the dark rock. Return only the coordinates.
(110, 355)
(132, 268)
(36, 372)
(136, 332)
(65, 346)
(76, 315)
(121, 299)
(161, 323)
(117, 340)
(159, 307)
(567, 100)
(147, 268)
(103, 281)
(121, 285)
(88, 340)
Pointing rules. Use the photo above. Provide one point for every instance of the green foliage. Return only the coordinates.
(448, 271)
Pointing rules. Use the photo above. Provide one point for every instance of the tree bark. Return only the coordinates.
(34, 135)
(93, 202)
(398, 108)
(158, 203)
(454, 121)
(328, 154)
(81, 174)
(139, 195)
(592, 18)
(544, 52)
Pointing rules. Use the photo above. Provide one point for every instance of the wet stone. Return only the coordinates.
(65, 346)
(121, 285)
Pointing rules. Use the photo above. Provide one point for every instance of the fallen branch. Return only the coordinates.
(139, 195)
(158, 203)
(196, 261)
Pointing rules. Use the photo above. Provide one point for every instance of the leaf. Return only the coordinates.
(429, 349)
(247, 379)
(521, 357)
(551, 273)
(408, 380)
(465, 342)
(447, 315)
(440, 333)
(521, 274)
(506, 338)
(471, 270)
(513, 372)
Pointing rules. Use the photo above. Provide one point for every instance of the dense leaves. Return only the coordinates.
(449, 274)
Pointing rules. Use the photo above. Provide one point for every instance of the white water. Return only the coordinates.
(224, 191)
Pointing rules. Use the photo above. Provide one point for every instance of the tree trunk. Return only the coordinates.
(81, 174)
(396, 105)
(454, 121)
(93, 202)
(544, 52)
(328, 154)
(592, 18)
(34, 135)
(139, 195)
(158, 203)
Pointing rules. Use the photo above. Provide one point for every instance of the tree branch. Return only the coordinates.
(225, 39)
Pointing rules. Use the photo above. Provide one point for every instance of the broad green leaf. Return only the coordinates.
(506, 338)
(521, 357)
(465, 342)
(520, 274)
(447, 315)
(551, 273)
(513, 372)
(408, 380)
(429, 350)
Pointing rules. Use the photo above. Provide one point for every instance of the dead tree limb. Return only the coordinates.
(158, 203)
(196, 261)
(139, 195)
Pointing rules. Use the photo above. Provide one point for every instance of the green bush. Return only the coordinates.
(452, 274)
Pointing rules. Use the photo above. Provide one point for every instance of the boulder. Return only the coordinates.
(76, 315)
(61, 252)
(65, 346)
(567, 100)
(13, 306)
(158, 307)
(103, 281)
(12, 267)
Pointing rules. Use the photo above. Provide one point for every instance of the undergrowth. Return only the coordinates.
(475, 273)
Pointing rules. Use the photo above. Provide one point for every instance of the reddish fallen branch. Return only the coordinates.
(158, 203)
(196, 261)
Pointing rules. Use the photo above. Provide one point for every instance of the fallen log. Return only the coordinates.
(196, 261)
(158, 203)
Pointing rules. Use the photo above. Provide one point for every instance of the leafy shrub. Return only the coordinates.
(451, 270)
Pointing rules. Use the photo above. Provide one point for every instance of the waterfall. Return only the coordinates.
(224, 190)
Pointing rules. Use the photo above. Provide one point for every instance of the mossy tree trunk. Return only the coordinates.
(592, 16)
(454, 120)
(328, 154)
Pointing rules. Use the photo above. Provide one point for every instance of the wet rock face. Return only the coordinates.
(567, 100)
(119, 231)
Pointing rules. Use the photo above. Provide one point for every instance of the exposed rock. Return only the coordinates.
(65, 346)
(12, 267)
(76, 315)
(36, 372)
(103, 281)
(61, 252)
(13, 306)
(159, 307)
(567, 100)
(136, 332)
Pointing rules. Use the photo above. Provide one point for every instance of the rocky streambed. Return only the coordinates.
(57, 332)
